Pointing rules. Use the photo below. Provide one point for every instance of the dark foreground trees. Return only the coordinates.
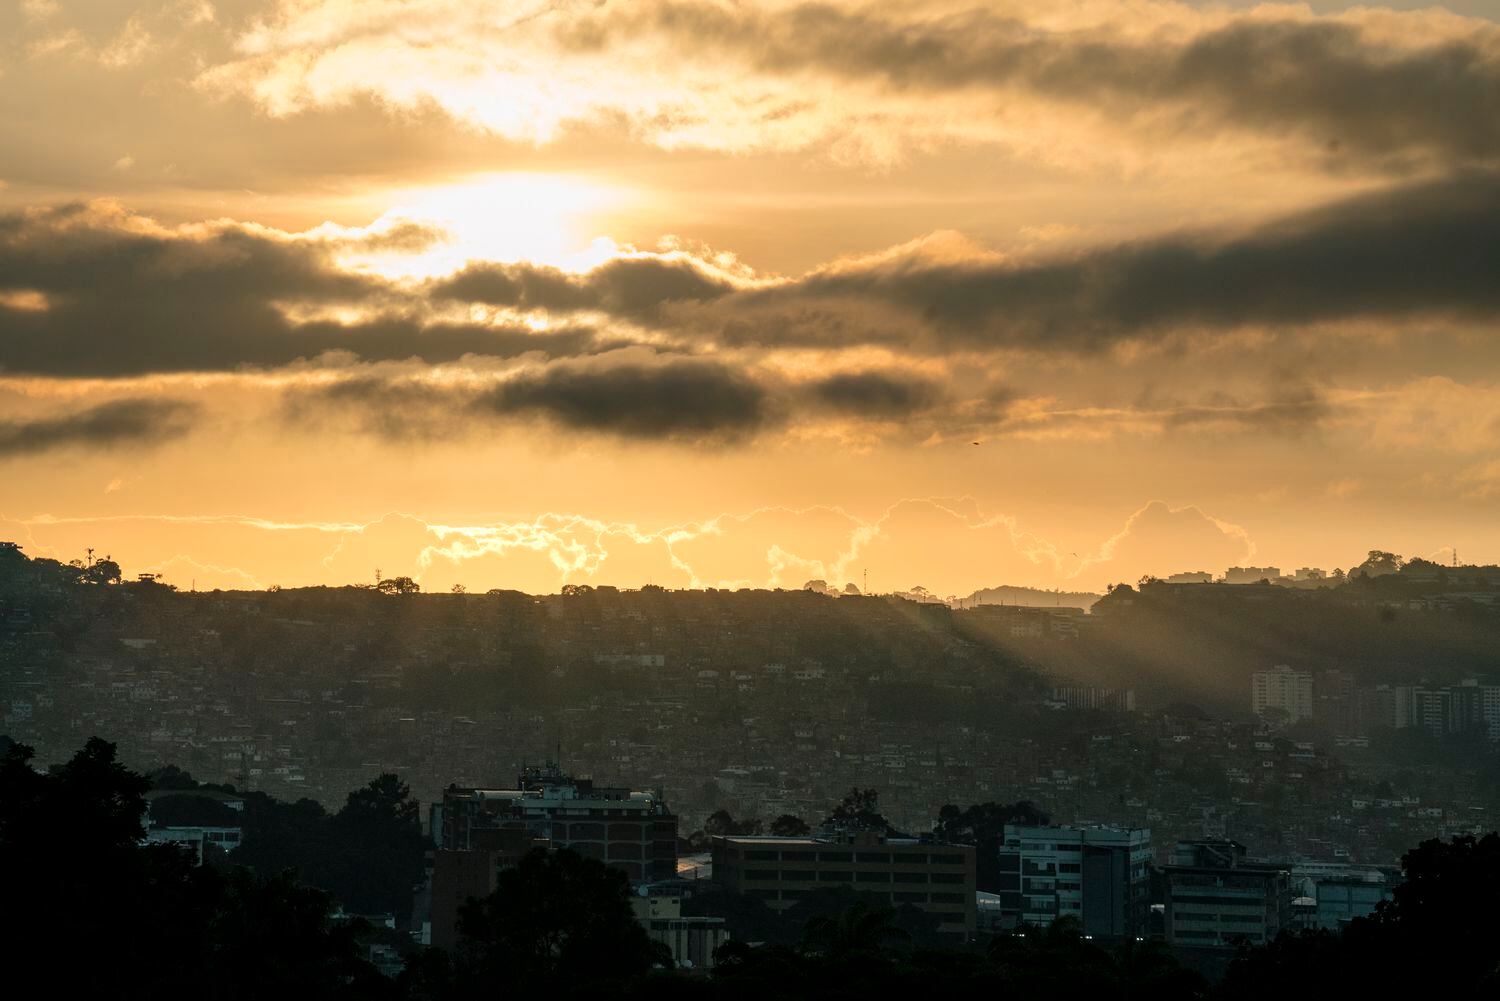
(91, 912)
(1442, 927)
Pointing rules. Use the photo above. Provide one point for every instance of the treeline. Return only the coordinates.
(91, 911)
(369, 855)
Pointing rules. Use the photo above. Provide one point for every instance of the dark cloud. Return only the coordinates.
(634, 288)
(117, 423)
(121, 299)
(125, 302)
(874, 394)
(679, 399)
(1320, 78)
(1424, 250)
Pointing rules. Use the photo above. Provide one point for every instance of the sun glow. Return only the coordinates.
(541, 218)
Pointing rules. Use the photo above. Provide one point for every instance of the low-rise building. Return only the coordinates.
(631, 831)
(936, 878)
(691, 939)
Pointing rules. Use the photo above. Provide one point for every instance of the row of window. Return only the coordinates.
(898, 897)
(863, 858)
(845, 876)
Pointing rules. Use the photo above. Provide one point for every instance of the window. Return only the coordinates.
(872, 877)
(835, 876)
(948, 859)
(760, 856)
(947, 877)
(947, 898)
(799, 856)
(835, 856)
(909, 898)
(878, 858)
(909, 877)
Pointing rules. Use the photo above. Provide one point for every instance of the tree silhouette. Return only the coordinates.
(556, 920)
(789, 826)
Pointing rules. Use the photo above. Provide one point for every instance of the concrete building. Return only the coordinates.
(1342, 900)
(936, 878)
(1089, 697)
(1099, 875)
(691, 939)
(1215, 898)
(632, 831)
(195, 838)
(1283, 693)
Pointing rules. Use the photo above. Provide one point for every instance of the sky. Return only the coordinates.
(719, 293)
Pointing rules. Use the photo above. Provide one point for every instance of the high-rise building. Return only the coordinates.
(631, 831)
(1090, 697)
(937, 878)
(1216, 899)
(1282, 692)
(1099, 875)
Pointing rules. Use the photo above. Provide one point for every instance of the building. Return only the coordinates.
(1283, 693)
(632, 831)
(936, 878)
(1099, 875)
(691, 939)
(1215, 898)
(196, 839)
(1089, 697)
(1251, 575)
(1190, 577)
(1342, 900)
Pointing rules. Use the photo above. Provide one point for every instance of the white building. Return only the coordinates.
(1284, 692)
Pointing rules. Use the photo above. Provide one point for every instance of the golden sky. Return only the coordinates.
(730, 293)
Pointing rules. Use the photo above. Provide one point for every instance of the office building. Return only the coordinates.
(631, 831)
(1342, 900)
(936, 878)
(1099, 875)
(1215, 898)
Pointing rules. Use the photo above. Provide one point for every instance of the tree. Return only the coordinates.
(379, 845)
(983, 826)
(398, 585)
(1377, 564)
(860, 811)
(789, 826)
(864, 929)
(556, 921)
